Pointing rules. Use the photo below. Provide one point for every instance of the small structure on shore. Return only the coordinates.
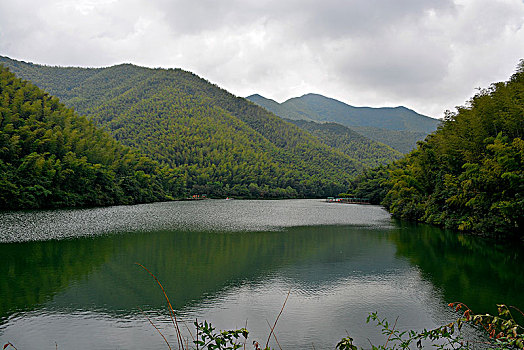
(348, 200)
(196, 197)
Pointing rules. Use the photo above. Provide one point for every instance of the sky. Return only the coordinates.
(427, 55)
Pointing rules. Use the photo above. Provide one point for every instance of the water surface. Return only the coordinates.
(69, 277)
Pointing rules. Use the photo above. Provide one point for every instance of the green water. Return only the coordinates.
(69, 277)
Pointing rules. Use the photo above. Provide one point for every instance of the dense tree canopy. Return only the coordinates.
(50, 156)
(219, 144)
(370, 153)
(403, 141)
(469, 174)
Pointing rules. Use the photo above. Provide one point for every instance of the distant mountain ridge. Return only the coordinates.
(398, 127)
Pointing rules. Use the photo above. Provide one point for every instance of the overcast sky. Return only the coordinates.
(427, 55)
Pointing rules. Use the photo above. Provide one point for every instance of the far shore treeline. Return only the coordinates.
(469, 174)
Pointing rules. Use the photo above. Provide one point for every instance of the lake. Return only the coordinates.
(68, 278)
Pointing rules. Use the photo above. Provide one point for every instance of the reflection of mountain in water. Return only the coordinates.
(195, 266)
(476, 271)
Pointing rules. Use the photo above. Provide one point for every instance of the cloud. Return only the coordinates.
(426, 54)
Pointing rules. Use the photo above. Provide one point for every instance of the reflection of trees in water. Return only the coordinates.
(100, 272)
(32, 272)
(194, 266)
(477, 271)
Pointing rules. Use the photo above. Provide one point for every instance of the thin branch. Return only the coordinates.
(189, 330)
(450, 343)
(245, 339)
(158, 330)
(10, 344)
(392, 330)
(196, 323)
(274, 336)
(516, 308)
(275, 324)
(172, 314)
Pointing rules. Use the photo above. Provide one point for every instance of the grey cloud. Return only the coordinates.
(339, 18)
(305, 19)
(427, 54)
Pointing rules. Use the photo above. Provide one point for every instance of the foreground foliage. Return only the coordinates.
(207, 338)
(499, 332)
(469, 174)
(485, 331)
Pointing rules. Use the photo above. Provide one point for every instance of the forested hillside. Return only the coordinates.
(403, 141)
(469, 174)
(51, 157)
(220, 144)
(353, 144)
(398, 127)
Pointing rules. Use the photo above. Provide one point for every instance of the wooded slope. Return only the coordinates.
(220, 144)
(367, 151)
(469, 174)
(52, 157)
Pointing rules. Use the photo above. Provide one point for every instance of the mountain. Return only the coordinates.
(221, 144)
(52, 157)
(367, 151)
(398, 127)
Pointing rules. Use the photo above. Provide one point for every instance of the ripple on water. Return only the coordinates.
(209, 215)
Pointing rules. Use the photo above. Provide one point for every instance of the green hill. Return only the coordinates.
(398, 127)
(221, 144)
(369, 152)
(51, 157)
(403, 141)
(469, 174)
